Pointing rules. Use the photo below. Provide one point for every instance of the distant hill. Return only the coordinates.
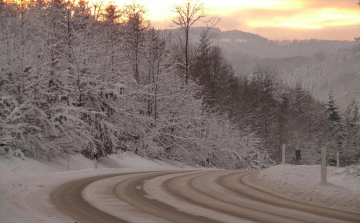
(339, 73)
(319, 65)
(245, 50)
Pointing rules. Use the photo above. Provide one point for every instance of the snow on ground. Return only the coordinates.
(25, 185)
(78, 162)
(303, 183)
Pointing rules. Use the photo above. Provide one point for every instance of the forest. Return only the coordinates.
(75, 76)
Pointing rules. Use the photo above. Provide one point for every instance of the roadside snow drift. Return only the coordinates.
(26, 184)
(303, 183)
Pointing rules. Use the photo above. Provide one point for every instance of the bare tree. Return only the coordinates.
(112, 13)
(135, 29)
(186, 16)
(97, 8)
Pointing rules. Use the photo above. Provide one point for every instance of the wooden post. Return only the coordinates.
(338, 159)
(95, 158)
(323, 165)
(283, 153)
(208, 160)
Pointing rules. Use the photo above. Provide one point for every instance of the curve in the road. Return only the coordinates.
(68, 198)
(131, 191)
(183, 188)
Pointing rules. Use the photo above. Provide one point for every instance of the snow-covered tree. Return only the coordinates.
(186, 16)
(336, 134)
(75, 77)
(135, 29)
(352, 130)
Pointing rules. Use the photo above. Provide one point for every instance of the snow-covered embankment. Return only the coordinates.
(303, 183)
(25, 184)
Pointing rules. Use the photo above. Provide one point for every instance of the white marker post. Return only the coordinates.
(323, 165)
(338, 159)
(95, 158)
(283, 153)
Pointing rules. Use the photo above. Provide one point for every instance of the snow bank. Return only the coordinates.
(26, 184)
(78, 162)
(303, 183)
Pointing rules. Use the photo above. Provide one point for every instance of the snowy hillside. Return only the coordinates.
(246, 50)
(339, 73)
(102, 84)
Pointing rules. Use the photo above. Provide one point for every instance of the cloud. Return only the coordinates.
(231, 23)
(331, 19)
(344, 4)
(329, 33)
(276, 19)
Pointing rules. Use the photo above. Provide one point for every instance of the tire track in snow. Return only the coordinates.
(182, 187)
(190, 197)
(210, 184)
(69, 200)
(129, 191)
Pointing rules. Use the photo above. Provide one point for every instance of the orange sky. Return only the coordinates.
(273, 19)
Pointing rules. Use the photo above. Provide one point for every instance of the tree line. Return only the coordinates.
(75, 77)
(277, 113)
(80, 76)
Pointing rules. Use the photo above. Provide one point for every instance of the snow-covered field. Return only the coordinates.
(25, 184)
(303, 183)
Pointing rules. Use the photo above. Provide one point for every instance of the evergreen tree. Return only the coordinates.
(332, 110)
(336, 134)
(352, 129)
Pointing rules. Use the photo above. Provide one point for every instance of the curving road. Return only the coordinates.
(191, 197)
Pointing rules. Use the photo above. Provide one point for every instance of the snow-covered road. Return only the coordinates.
(133, 189)
(173, 196)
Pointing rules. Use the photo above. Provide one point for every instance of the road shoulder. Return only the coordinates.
(302, 183)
